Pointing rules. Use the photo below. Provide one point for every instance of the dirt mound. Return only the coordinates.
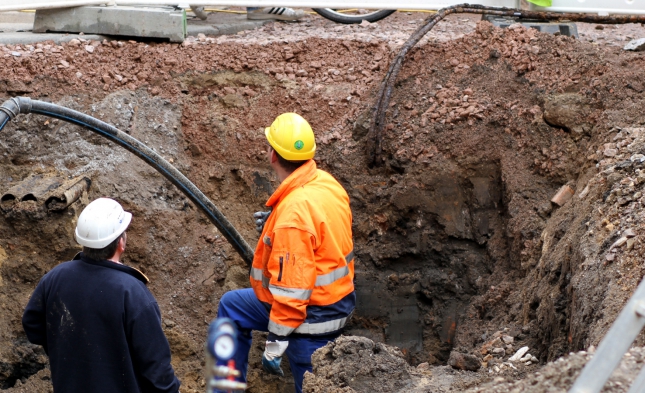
(357, 364)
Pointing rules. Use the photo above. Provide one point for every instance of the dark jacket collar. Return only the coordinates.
(112, 265)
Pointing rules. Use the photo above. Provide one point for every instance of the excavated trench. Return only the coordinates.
(428, 257)
(455, 234)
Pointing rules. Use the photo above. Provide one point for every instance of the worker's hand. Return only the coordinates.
(272, 356)
(260, 218)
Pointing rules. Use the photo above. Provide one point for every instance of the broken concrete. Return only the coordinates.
(635, 45)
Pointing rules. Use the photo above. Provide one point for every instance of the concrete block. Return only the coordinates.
(165, 23)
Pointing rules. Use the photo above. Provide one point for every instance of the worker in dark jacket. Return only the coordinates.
(96, 319)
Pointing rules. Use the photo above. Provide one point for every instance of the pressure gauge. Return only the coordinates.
(223, 346)
(222, 339)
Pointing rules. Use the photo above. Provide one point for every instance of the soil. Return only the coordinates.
(459, 247)
(357, 364)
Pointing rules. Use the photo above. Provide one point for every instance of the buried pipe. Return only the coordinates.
(52, 193)
(69, 195)
(17, 105)
(375, 133)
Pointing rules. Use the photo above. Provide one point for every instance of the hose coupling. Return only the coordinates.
(15, 106)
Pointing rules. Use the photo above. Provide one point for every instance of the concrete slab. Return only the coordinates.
(217, 23)
(15, 27)
(146, 22)
(17, 17)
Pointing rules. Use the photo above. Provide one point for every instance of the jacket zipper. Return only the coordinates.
(280, 274)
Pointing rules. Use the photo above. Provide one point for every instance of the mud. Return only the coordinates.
(457, 241)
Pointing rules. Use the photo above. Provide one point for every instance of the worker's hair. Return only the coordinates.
(100, 254)
(289, 166)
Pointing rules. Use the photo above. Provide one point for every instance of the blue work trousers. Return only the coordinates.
(243, 307)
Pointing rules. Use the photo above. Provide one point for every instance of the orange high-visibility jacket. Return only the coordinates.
(303, 265)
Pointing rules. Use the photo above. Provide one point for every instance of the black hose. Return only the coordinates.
(14, 106)
(375, 134)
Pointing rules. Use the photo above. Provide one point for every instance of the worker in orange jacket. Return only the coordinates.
(302, 277)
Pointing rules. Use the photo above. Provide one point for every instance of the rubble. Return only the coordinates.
(519, 354)
(635, 45)
(463, 361)
(554, 376)
(558, 376)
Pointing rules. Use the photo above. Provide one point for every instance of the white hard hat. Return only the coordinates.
(101, 222)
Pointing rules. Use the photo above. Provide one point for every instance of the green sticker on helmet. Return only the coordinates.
(299, 145)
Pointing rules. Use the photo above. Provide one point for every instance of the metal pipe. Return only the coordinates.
(375, 133)
(17, 105)
(69, 196)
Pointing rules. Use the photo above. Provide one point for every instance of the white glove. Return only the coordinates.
(275, 349)
(272, 356)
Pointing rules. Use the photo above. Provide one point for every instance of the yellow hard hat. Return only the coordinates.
(292, 137)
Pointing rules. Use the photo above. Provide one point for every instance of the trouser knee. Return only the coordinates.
(225, 303)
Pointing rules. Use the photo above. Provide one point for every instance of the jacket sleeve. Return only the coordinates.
(293, 276)
(150, 351)
(33, 319)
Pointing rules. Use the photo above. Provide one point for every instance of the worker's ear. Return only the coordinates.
(122, 241)
(274, 156)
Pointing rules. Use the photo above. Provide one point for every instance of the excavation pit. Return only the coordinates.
(456, 235)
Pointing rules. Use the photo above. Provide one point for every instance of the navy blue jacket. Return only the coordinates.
(101, 328)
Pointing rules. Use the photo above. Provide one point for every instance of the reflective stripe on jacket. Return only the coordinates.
(304, 264)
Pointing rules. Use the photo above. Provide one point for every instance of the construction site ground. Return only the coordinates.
(461, 257)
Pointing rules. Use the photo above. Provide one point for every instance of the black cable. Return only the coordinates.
(26, 105)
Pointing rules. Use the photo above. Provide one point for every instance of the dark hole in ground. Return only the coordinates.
(444, 239)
